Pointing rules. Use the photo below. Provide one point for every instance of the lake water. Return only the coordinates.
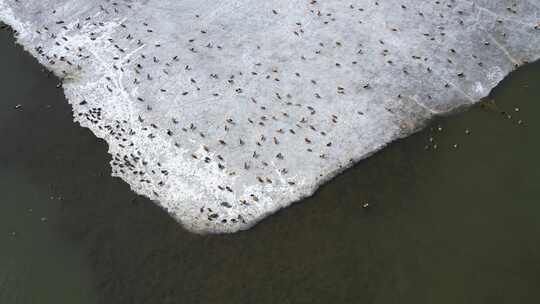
(453, 217)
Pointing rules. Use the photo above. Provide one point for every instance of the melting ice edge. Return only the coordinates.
(223, 112)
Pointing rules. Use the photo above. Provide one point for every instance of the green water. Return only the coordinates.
(446, 225)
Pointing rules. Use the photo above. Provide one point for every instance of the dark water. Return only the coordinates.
(446, 225)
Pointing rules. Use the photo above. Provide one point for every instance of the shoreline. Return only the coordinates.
(241, 217)
(322, 182)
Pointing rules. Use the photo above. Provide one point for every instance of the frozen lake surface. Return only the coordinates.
(223, 112)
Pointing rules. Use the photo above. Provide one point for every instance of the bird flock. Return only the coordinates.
(223, 112)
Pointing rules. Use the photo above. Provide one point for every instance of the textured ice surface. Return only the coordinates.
(225, 111)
